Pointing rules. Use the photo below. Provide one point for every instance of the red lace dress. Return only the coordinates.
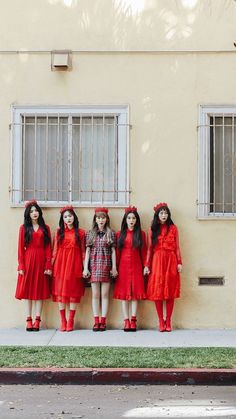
(162, 260)
(130, 262)
(67, 284)
(33, 259)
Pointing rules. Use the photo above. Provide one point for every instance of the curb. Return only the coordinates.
(117, 376)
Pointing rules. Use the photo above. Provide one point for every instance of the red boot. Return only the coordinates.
(162, 325)
(63, 320)
(133, 324)
(70, 323)
(29, 325)
(126, 325)
(103, 324)
(96, 326)
(36, 324)
(168, 325)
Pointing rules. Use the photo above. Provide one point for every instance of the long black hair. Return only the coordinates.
(156, 224)
(137, 236)
(61, 231)
(28, 226)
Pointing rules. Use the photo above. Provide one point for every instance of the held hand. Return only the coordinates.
(179, 268)
(146, 270)
(20, 272)
(48, 272)
(114, 273)
(86, 273)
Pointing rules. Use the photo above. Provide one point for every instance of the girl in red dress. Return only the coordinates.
(100, 264)
(163, 264)
(68, 255)
(34, 263)
(131, 255)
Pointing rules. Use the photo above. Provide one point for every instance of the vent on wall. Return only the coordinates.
(211, 280)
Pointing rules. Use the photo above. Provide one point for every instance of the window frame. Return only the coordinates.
(205, 112)
(17, 111)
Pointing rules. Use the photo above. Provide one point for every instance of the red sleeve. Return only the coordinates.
(149, 249)
(144, 248)
(21, 249)
(49, 252)
(118, 250)
(54, 246)
(178, 253)
(82, 243)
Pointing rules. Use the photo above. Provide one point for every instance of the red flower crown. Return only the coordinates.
(130, 209)
(101, 209)
(160, 205)
(33, 202)
(66, 208)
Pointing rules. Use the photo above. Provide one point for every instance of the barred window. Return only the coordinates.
(73, 155)
(217, 162)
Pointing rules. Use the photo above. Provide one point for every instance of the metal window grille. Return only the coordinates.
(218, 137)
(70, 158)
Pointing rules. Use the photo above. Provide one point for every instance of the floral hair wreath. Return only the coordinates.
(101, 209)
(66, 208)
(130, 209)
(160, 205)
(32, 202)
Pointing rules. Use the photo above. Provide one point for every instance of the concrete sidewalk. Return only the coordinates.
(118, 338)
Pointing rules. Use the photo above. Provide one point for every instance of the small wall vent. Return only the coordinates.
(211, 280)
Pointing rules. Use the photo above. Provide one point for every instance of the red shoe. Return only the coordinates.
(103, 324)
(36, 324)
(162, 326)
(126, 325)
(96, 326)
(168, 325)
(29, 324)
(133, 324)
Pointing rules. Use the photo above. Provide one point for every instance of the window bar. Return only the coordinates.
(114, 159)
(91, 196)
(35, 154)
(80, 156)
(46, 161)
(58, 157)
(214, 160)
(70, 156)
(23, 168)
(233, 165)
(223, 154)
(103, 153)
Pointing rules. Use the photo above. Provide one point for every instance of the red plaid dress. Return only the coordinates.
(100, 262)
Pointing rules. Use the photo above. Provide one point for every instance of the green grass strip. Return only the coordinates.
(107, 357)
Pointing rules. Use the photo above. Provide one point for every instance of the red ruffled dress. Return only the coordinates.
(68, 285)
(162, 260)
(130, 262)
(33, 259)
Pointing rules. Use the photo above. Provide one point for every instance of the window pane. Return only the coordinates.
(45, 158)
(222, 164)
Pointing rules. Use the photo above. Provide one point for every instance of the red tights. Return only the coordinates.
(169, 311)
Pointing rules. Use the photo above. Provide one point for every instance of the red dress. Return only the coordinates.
(33, 259)
(67, 284)
(162, 260)
(130, 262)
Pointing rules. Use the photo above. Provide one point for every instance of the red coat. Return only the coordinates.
(33, 259)
(162, 260)
(68, 285)
(130, 262)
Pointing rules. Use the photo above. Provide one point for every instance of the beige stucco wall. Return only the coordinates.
(163, 91)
